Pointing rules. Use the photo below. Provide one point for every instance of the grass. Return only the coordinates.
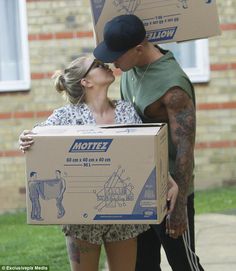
(23, 244)
(220, 200)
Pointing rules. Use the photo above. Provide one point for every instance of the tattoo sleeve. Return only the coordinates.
(182, 121)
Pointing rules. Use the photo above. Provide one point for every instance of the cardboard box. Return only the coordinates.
(97, 175)
(165, 21)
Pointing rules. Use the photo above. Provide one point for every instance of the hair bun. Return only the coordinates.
(60, 83)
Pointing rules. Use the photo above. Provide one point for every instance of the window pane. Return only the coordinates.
(193, 57)
(14, 70)
(9, 38)
(185, 53)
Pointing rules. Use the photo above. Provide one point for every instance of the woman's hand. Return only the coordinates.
(172, 194)
(25, 140)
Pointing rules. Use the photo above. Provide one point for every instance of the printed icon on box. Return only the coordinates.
(117, 191)
(184, 3)
(46, 190)
(129, 7)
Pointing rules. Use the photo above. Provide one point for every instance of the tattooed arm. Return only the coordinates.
(182, 121)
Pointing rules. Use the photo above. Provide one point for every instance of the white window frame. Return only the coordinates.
(201, 72)
(24, 83)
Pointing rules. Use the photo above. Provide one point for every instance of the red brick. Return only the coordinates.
(216, 144)
(220, 67)
(64, 35)
(42, 114)
(23, 115)
(214, 106)
(5, 115)
(47, 36)
(38, 76)
(226, 27)
(11, 153)
(88, 34)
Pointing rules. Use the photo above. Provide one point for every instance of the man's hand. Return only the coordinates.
(176, 222)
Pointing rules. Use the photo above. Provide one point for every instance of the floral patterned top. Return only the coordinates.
(81, 115)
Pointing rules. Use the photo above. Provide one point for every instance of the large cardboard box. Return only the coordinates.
(165, 21)
(97, 175)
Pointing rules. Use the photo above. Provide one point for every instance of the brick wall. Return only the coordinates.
(216, 102)
(60, 31)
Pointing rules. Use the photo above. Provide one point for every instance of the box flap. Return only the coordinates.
(103, 130)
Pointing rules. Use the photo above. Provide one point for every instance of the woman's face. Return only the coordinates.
(98, 73)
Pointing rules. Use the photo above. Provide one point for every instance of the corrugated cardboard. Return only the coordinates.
(165, 21)
(96, 175)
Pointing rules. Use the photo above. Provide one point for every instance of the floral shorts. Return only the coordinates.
(97, 234)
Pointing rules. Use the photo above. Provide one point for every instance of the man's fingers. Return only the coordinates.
(174, 231)
(179, 231)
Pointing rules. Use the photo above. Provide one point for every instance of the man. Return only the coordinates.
(34, 193)
(47, 190)
(161, 92)
(60, 182)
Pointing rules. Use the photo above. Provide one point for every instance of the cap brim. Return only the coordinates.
(103, 53)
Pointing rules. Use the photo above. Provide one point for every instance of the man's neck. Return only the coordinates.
(151, 54)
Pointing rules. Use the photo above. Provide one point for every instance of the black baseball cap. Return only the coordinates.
(120, 34)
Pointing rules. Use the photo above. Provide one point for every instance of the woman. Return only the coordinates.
(85, 83)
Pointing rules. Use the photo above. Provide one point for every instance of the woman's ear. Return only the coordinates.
(85, 83)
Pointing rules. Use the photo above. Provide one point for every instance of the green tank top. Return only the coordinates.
(144, 85)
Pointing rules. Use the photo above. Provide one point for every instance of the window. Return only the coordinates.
(193, 57)
(14, 59)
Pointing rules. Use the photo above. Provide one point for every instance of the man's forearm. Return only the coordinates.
(182, 123)
(184, 170)
(184, 134)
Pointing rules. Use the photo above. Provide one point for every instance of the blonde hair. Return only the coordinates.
(68, 81)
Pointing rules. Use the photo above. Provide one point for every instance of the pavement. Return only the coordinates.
(215, 242)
